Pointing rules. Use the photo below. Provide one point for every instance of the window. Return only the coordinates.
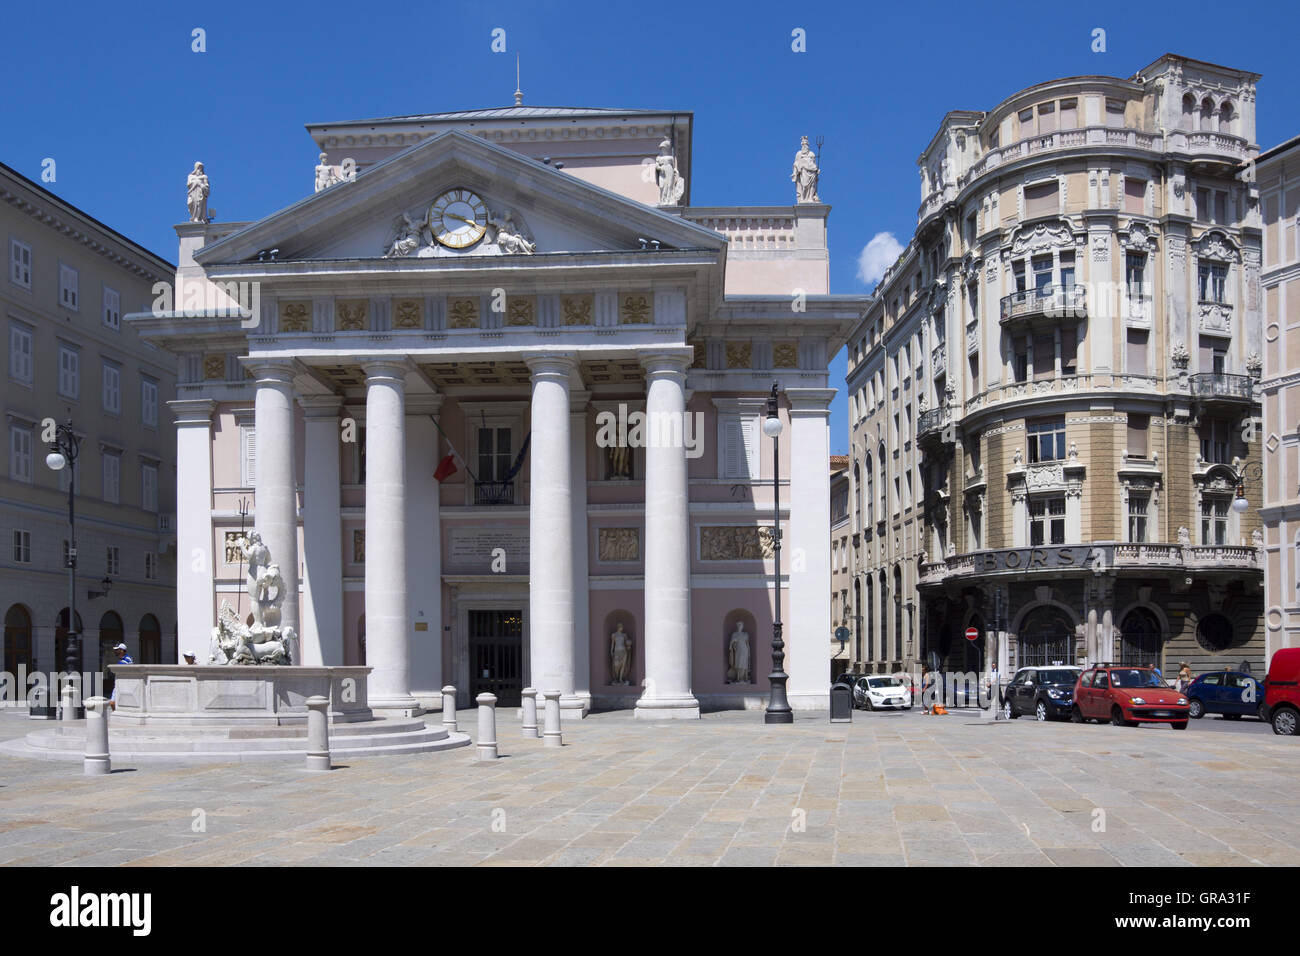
(69, 372)
(739, 448)
(1067, 270)
(1020, 358)
(1042, 273)
(1214, 520)
(1135, 270)
(20, 353)
(973, 384)
(23, 547)
(1215, 443)
(1047, 520)
(20, 453)
(976, 528)
(1138, 426)
(1041, 199)
(1046, 439)
(1069, 114)
(1046, 118)
(1044, 356)
(1115, 114)
(149, 402)
(150, 566)
(112, 308)
(67, 287)
(1069, 351)
(248, 456)
(20, 263)
(1137, 351)
(149, 487)
(1213, 354)
(112, 379)
(871, 492)
(1135, 196)
(1018, 273)
(1213, 282)
(1138, 506)
(113, 560)
(112, 477)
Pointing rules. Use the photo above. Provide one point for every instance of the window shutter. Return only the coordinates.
(749, 432)
(250, 456)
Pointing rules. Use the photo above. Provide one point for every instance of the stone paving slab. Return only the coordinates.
(726, 790)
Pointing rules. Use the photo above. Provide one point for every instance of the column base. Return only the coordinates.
(667, 708)
(806, 701)
(402, 706)
(575, 706)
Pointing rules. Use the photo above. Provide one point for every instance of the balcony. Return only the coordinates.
(931, 424)
(1222, 388)
(1051, 303)
(494, 492)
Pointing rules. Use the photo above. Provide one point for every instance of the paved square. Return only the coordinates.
(888, 789)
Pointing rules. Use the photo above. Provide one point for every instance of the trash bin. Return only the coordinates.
(841, 704)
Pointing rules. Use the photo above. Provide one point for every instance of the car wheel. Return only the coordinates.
(1195, 709)
(1285, 722)
(1008, 711)
(1117, 717)
(1262, 711)
(1076, 715)
(1041, 711)
(866, 704)
(1179, 725)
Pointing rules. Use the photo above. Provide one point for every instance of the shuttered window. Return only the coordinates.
(248, 456)
(739, 447)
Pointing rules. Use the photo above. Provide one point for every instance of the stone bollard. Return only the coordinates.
(97, 761)
(530, 713)
(69, 697)
(449, 709)
(551, 737)
(318, 733)
(487, 726)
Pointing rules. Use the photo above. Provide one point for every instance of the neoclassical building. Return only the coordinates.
(498, 399)
(1054, 393)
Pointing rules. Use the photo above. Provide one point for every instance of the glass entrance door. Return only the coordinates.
(496, 655)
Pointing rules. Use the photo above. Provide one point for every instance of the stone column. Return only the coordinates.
(424, 548)
(667, 629)
(276, 495)
(550, 531)
(195, 558)
(809, 629)
(581, 597)
(388, 648)
(322, 534)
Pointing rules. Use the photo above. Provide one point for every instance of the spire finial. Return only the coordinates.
(519, 93)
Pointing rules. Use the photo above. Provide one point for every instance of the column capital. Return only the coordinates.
(551, 364)
(320, 406)
(193, 411)
(378, 367)
(272, 371)
(671, 360)
(809, 401)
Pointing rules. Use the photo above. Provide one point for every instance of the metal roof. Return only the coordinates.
(510, 112)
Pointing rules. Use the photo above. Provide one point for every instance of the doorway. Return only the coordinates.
(496, 655)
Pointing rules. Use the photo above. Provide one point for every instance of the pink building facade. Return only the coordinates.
(496, 390)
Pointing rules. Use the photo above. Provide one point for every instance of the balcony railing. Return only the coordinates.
(1049, 302)
(932, 421)
(1222, 385)
(494, 492)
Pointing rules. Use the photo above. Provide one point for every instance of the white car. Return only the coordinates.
(881, 691)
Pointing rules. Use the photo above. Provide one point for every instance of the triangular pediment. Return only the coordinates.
(509, 205)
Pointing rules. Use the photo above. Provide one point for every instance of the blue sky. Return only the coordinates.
(114, 94)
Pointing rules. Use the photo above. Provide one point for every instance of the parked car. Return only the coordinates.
(1282, 691)
(880, 691)
(1045, 692)
(1127, 695)
(1230, 693)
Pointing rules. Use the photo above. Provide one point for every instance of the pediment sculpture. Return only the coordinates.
(484, 232)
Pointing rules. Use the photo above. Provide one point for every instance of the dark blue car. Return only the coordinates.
(1230, 693)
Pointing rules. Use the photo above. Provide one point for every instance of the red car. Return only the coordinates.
(1282, 691)
(1127, 696)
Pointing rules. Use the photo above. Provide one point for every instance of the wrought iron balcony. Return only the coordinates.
(1049, 303)
(1223, 386)
(494, 492)
(930, 424)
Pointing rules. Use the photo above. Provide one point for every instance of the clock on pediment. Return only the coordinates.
(458, 218)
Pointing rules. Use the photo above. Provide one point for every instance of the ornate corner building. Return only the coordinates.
(1054, 393)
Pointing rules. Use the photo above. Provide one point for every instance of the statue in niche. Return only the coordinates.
(805, 174)
(620, 656)
(670, 182)
(510, 238)
(619, 459)
(738, 656)
(406, 240)
(197, 189)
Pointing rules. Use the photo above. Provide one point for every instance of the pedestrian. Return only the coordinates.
(122, 658)
(1184, 677)
(927, 689)
(189, 658)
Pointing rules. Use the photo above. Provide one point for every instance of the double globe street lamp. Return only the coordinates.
(778, 705)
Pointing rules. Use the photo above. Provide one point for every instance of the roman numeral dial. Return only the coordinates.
(458, 218)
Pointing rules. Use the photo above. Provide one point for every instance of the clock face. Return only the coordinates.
(458, 218)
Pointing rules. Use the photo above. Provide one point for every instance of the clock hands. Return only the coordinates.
(468, 222)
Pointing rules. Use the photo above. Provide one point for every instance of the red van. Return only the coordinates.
(1282, 691)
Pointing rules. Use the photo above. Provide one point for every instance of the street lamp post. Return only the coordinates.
(63, 454)
(1252, 470)
(778, 705)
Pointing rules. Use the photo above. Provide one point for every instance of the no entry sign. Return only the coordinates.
(972, 634)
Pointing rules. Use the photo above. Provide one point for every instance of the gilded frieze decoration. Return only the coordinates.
(577, 309)
(214, 368)
(359, 546)
(406, 314)
(633, 309)
(619, 544)
(735, 543)
(739, 354)
(519, 310)
(295, 317)
(785, 355)
(350, 316)
(462, 313)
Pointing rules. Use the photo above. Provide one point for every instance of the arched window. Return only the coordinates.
(882, 507)
(883, 603)
(1046, 637)
(898, 613)
(150, 640)
(1189, 112)
(1207, 115)
(1141, 638)
(18, 643)
(868, 616)
(857, 496)
(1225, 117)
(871, 493)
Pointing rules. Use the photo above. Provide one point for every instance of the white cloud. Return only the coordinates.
(877, 256)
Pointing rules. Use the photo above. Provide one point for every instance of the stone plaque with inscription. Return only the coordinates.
(472, 549)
